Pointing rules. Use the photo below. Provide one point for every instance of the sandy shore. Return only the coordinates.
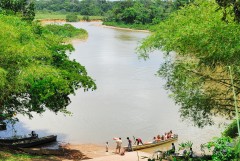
(90, 150)
(45, 21)
(93, 152)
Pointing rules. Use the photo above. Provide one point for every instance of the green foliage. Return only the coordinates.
(23, 7)
(197, 73)
(237, 148)
(222, 149)
(141, 12)
(61, 16)
(66, 31)
(86, 18)
(11, 155)
(72, 17)
(230, 7)
(185, 145)
(83, 7)
(36, 73)
(231, 130)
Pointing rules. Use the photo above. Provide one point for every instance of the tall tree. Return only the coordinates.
(24, 7)
(197, 73)
(36, 73)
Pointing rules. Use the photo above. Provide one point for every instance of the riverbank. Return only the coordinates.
(94, 152)
(46, 21)
(126, 29)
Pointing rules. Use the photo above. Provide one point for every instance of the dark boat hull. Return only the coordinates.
(3, 126)
(16, 139)
(32, 142)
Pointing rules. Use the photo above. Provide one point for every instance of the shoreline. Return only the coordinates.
(90, 150)
(101, 25)
(126, 29)
(95, 152)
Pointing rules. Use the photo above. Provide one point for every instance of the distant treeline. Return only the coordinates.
(141, 12)
(83, 7)
(122, 12)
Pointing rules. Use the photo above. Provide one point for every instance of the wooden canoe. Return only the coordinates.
(11, 140)
(3, 126)
(32, 142)
(149, 145)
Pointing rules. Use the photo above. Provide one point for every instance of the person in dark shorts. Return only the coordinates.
(129, 144)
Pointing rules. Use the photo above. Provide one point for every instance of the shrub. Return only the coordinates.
(72, 17)
(86, 18)
(223, 149)
(66, 31)
(231, 130)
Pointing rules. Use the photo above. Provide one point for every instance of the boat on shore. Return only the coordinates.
(10, 140)
(3, 126)
(152, 144)
(31, 142)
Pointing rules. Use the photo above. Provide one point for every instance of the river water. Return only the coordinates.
(130, 99)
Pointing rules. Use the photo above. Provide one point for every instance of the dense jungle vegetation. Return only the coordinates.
(128, 13)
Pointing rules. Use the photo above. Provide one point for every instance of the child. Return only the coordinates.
(106, 146)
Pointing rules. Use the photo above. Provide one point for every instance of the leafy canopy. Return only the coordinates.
(24, 8)
(196, 73)
(35, 71)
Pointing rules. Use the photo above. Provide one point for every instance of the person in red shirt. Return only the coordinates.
(138, 141)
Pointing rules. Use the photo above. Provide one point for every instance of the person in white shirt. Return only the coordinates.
(119, 145)
(106, 146)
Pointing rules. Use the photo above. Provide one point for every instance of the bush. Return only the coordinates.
(231, 130)
(66, 31)
(223, 149)
(72, 17)
(86, 18)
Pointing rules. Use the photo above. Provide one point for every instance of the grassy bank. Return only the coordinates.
(66, 31)
(11, 155)
(61, 16)
(131, 26)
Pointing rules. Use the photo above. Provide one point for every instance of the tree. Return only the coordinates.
(36, 73)
(140, 11)
(24, 7)
(197, 73)
(233, 5)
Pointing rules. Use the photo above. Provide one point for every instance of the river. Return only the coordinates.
(130, 99)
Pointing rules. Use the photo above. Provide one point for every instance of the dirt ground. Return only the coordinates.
(93, 152)
(90, 150)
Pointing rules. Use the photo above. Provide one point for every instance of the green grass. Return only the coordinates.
(7, 155)
(61, 16)
(58, 16)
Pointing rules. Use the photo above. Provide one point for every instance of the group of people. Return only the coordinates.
(167, 135)
(120, 150)
(138, 141)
